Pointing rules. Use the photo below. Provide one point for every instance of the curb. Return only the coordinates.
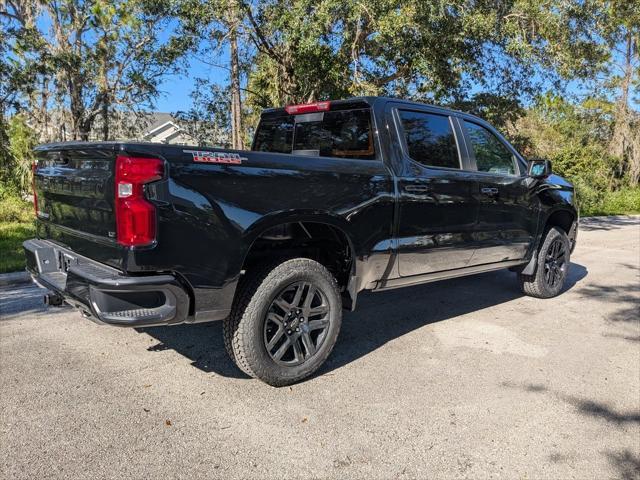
(14, 278)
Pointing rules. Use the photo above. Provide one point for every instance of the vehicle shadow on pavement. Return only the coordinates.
(380, 318)
(201, 343)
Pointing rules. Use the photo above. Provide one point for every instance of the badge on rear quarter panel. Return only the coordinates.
(216, 157)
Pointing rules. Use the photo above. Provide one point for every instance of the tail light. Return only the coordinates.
(308, 108)
(34, 167)
(135, 215)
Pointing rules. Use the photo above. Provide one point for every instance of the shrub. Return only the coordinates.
(13, 208)
(593, 172)
(625, 200)
(589, 164)
(16, 225)
(16, 157)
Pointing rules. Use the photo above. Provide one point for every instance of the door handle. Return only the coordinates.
(416, 188)
(489, 191)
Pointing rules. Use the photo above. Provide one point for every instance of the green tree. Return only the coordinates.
(220, 35)
(575, 137)
(433, 50)
(20, 141)
(90, 57)
(621, 33)
(208, 120)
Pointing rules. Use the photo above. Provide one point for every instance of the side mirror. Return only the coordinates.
(539, 168)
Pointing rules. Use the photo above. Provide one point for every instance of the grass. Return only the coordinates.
(12, 234)
(16, 226)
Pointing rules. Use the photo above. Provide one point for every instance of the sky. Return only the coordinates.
(176, 88)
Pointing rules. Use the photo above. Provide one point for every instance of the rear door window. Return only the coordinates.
(430, 139)
(341, 133)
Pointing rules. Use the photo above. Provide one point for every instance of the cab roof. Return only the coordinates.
(359, 102)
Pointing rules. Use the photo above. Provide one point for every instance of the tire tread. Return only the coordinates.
(253, 291)
(534, 285)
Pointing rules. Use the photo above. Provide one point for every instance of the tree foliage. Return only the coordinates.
(436, 51)
(88, 60)
(88, 57)
(17, 154)
(208, 120)
(575, 137)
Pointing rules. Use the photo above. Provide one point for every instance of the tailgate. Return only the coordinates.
(74, 191)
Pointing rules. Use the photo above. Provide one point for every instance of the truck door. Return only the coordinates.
(437, 209)
(508, 210)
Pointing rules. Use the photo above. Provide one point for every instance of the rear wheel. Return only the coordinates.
(554, 258)
(285, 321)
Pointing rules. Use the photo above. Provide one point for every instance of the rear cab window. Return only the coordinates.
(335, 133)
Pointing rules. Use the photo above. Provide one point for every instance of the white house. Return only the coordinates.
(163, 128)
(160, 127)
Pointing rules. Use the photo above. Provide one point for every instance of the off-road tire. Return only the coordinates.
(243, 329)
(536, 285)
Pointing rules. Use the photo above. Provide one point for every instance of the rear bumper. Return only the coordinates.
(102, 293)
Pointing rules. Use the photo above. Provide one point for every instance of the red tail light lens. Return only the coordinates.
(34, 167)
(135, 215)
(308, 108)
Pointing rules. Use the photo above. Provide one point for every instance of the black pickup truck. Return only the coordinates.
(334, 198)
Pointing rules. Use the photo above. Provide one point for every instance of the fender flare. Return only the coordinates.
(271, 220)
(255, 230)
(530, 268)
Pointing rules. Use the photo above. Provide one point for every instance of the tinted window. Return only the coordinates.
(430, 139)
(274, 134)
(491, 154)
(336, 134)
(341, 133)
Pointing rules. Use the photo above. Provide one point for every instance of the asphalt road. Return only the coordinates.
(458, 379)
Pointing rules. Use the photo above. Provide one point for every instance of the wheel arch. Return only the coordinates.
(562, 217)
(322, 236)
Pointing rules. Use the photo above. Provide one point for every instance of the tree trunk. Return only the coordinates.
(105, 118)
(84, 133)
(103, 89)
(76, 108)
(45, 134)
(236, 100)
(622, 141)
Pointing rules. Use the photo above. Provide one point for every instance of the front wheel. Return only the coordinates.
(285, 321)
(554, 258)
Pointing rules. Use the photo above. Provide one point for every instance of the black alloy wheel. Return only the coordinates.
(296, 324)
(552, 266)
(285, 320)
(555, 263)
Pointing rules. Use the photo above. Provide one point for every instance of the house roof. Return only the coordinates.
(157, 119)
